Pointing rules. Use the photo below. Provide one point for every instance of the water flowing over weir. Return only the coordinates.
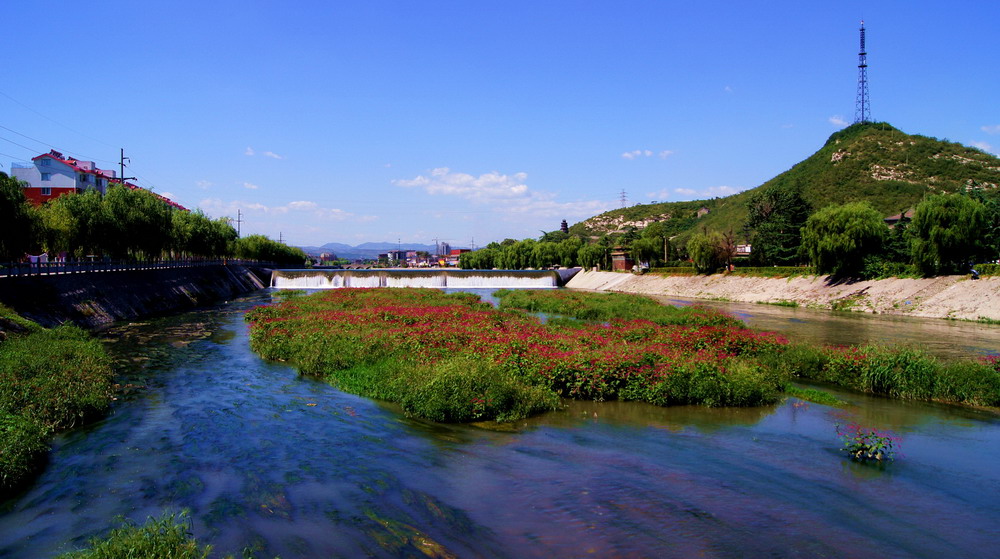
(405, 277)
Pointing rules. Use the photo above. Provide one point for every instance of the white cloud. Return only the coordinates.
(637, 153)
(508, 196)
(693, 194)
(838, 120)
(485, 187)
(250, 186)
(203, 184)
(728, 89)
(302, 205)
(984, 146)
(250, 152)
(995, 129)
(216, 206)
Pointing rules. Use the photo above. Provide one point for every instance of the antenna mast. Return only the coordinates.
(862, 109)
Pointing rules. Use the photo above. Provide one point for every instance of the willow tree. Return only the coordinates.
(838, 238)
(946, 230)
(18, 222)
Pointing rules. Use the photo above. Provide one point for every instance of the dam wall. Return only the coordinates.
(95, 299)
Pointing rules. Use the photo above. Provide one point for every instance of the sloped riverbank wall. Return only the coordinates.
(92, 300)
(954, 297)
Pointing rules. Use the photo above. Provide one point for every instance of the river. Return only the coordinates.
(266, 460)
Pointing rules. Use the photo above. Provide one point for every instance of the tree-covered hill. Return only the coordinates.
(872, 162)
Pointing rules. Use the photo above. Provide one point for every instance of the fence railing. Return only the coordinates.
(86, 267)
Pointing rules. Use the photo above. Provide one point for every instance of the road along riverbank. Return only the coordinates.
(954, 297)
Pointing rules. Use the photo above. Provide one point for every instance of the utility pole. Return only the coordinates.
(280, 238)
(239, 220)
(623, 198)
(121, 164)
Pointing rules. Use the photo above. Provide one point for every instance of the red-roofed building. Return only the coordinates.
(51, 175)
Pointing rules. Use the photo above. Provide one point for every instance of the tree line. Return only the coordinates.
(123, 224)
(943, 234)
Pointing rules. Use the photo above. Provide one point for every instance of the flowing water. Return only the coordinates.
(289, 466)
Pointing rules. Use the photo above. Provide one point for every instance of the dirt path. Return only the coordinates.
(956, 297)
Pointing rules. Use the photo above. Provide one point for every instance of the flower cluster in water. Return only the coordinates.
(451, 357)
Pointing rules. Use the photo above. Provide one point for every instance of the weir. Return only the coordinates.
(436, 278)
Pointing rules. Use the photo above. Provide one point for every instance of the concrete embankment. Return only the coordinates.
(957, 297)
(96, 299)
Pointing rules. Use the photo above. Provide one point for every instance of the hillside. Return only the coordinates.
(870, 161)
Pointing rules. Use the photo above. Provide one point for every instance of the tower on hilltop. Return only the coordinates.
(862, 107)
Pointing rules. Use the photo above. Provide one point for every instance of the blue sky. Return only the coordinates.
(474, 121)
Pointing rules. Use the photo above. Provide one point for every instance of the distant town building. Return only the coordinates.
(397, 256)
(52, 174)
(703, 210)
(455, 254)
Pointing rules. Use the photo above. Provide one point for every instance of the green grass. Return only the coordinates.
(814, 395)
(610, 306)
(50, 380)
(166, 537)
(897, 372)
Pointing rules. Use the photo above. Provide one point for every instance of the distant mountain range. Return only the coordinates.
(365, 251)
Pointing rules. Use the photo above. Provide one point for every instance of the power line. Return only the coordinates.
(54, 120)
(52, 146)
(17, 144)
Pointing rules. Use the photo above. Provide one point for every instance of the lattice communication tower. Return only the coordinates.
(862, 108)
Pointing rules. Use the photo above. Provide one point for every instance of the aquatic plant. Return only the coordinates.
(865, 444)
(168, 536)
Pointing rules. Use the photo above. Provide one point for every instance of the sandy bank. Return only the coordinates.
(955, 297)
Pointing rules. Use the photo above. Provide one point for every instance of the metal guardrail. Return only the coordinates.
(13, 269)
